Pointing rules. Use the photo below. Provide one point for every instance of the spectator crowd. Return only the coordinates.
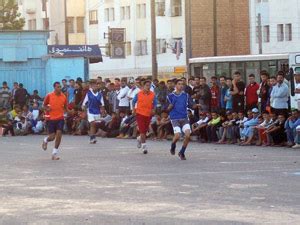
(229, 110)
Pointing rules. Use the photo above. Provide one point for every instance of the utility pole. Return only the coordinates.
(215, 28)
(259, 34)
(66, 23)
(188, 31)
(153, 41)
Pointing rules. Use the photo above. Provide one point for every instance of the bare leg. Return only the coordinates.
(58, 137)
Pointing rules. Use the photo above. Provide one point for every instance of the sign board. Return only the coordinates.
(180, 69)
(117, 35)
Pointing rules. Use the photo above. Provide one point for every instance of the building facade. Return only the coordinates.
(280, 26)
(50, 15)
(217, 28)
(134, 16)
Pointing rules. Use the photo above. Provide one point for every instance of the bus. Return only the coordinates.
(248, 64)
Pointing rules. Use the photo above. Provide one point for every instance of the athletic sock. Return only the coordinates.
(92, 137)
(182, 151)
(46, 139)
(173, 146)
(55, 151)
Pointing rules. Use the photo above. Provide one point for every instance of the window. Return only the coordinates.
(125, 13)
(93, 17)
(32, 24)
(161, 46)
(141, 48)
(109, 14)
(267, 33)
(288, 32)
(80, 24)
(176, 8)
(160, 7)
(141, 11)
(70, 24)
(280, 33)
(128, 48)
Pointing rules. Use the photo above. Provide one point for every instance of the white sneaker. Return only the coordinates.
(139, 143)
(145, 150)
(296, 146)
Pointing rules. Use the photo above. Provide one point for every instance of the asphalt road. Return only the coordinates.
(114, 183)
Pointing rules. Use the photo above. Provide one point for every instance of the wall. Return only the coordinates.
(232, 27)
(60, 68)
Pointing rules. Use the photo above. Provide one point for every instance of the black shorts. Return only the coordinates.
(55, 125)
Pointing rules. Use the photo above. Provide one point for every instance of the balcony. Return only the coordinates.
(31, 11)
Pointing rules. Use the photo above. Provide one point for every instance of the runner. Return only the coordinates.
(179, 103)
(144, 107)
(55, 105)
(95, 103)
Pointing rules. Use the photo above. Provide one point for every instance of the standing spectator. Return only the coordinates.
(111, 96)
(134, 90)
(78, 96)
(64, 88)
(5, 95)
(117, 81)
(161, 94)
(280, 96)
(204, 95)
(187, 89)
(251, 93)
(71, 91)
(35, 98)
(224, 89)
(21, 96)
(228, 96)
(154, 84)
(170, 86)
(192, 82)
(122, 97)
(13, 92)
(297, 89)
(215, 95)
(237, 92)
(104, 92)
(264, 90)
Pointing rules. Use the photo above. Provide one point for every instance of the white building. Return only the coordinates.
(134, 16)
(280, 26)
(50, 15)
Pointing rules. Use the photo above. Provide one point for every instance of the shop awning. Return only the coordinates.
(92, 52)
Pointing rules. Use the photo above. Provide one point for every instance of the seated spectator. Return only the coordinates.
(212, 127)
(39, 125)
(164, 127)
(290, 127)
(227, 130)
(35, 98)
(249, 126)
(199, 128)
(261, 129)
(277, 131)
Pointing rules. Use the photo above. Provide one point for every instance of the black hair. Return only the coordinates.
(251, 75)
(55, 83)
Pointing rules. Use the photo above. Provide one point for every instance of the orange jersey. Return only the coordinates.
(57, 105)
(145, 102)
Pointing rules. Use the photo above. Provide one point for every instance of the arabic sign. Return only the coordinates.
(87, 51)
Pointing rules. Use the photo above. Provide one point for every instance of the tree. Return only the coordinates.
(10, 18)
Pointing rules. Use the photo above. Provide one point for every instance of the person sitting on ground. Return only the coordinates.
(277, 131)
(212, 127)
(290, 127)
(164, 126)
(227, 129)
(261, 129)
(199, 128)
(248, 131)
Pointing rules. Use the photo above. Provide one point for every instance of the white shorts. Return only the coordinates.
(93, 117)
(181, 125)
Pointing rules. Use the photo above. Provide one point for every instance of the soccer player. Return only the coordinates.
(55, 105)
(94, 103)
(144, 107)
(179, 103)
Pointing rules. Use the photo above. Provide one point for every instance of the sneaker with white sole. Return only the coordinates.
(139, 143)
(296, 146)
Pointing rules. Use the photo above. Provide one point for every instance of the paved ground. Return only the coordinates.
(113, 183)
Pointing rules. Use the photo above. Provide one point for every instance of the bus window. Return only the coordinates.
(223, 70)
(253, 68)
(238, 66)
(209, 70)
(269, 66)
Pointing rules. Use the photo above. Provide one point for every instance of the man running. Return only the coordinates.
(144, 107)
(95, 103)
(55, 105)
(179, 103)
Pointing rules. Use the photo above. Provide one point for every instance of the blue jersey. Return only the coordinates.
(93, 101)
(180, 103)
